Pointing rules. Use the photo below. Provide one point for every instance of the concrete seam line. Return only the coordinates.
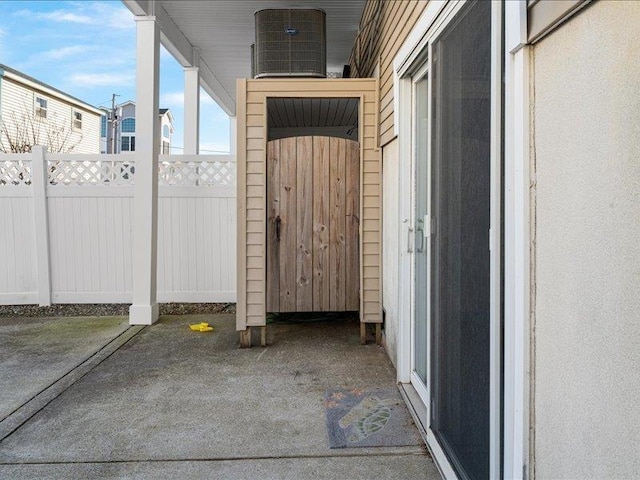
(31, 407)
(79, 364)
(224, 459)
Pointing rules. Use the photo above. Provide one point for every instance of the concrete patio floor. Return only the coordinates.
(166, 402)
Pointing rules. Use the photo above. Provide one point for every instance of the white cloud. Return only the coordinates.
(66, 16)
(102, 79)
(172, 99)
(64, 52)
(107, 14)
(120, 18)
(57, 16)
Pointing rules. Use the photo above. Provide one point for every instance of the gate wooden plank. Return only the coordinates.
(288, 216)
(273, 210)
(304, 228)
(337, 250)
(321, 201)
(313, 184)
(352, 225)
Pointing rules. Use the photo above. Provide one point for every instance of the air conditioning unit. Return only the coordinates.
(253, 60)
(290, 43)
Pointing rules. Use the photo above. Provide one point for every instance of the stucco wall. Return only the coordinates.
(587, 303)
(390, 249)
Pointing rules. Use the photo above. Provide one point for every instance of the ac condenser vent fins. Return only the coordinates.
(253, 60)
(290, 43)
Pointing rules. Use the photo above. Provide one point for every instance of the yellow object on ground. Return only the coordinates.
(201, 327)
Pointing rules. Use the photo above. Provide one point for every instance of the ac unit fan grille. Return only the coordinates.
(302, 53)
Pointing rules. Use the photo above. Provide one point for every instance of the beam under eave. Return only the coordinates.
(215, 90)
(173, 39)
(182, 50)
(179, 46)
(137, 7)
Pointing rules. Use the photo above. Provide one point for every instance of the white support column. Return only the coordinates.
(233, 136)
(144, 310)
(40, 179)
(192, 109)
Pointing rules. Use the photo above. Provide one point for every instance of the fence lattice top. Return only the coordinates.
(119, 170)
(197, 173)
(91, 173)
(15, 172)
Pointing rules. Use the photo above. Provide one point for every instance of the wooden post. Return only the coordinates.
(363, 333)
(263, 336)
(245, 338)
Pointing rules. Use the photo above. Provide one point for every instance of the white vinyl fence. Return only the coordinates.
(65, 228)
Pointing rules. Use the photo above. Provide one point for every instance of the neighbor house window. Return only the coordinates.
(77, 120)
(128, 125)
(166, 148)
(103, 126)
(165, 131)
(41, 107)
(128, 143)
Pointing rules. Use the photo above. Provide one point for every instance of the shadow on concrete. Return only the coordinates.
(168, 402)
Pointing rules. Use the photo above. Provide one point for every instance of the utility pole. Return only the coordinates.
(114, 123)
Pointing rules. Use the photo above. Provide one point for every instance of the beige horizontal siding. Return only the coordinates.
(17, 111)
(251, 117)
(384, 37)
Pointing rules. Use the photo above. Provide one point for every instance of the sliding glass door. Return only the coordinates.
(460, 258)
(420, 363)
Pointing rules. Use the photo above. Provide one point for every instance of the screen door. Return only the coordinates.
(460, 260)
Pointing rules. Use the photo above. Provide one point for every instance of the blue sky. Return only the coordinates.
(87, 49)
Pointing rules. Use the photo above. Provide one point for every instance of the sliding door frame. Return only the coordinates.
(414, 58)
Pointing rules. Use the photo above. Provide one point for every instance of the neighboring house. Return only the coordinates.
(32, 112)
(119, 136)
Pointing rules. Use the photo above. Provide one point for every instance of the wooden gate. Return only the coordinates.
(313, 204)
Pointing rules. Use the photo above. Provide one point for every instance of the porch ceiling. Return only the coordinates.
(223, 30)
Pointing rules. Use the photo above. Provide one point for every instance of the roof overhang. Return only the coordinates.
(217, 36)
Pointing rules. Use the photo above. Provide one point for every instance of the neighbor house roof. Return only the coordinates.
(12, 73)
(161, 111)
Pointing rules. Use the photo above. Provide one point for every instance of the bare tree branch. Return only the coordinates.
(19, 133)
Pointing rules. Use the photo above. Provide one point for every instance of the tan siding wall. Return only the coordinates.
(384, 27)
(251, 117)
(17, 105)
